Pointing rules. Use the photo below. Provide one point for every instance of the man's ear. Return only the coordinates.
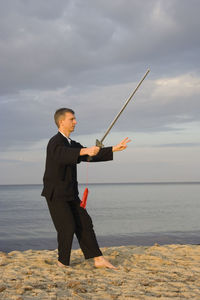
(60, 122)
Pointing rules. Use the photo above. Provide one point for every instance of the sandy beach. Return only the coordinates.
(164, 272)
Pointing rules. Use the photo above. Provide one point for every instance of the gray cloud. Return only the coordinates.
(50, 44)
(175, 145)
(85, 54)
(157, 106)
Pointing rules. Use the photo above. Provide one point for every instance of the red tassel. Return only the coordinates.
(84, 199)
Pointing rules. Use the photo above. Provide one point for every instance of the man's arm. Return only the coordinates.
(73, 155)
(102, 154)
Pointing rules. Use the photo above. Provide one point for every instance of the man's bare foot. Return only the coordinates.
(62, 265)
(100, 262)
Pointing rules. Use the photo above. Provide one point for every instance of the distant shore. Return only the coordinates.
(144, 272)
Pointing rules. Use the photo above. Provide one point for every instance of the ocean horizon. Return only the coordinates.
(108, 183)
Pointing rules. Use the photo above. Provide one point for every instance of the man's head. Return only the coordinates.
(65, 120)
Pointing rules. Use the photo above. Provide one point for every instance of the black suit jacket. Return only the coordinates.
(60, 177)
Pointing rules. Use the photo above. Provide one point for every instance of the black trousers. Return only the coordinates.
(69, 218)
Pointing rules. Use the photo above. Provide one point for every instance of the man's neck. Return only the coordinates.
(67, 134)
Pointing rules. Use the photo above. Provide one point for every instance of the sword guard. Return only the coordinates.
(99, 144)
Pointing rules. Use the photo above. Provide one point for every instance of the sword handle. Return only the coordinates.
(98, 144)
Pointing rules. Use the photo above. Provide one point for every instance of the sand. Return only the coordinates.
(164, 272)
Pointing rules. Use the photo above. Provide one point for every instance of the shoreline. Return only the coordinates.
(138, 239)
(144, 272)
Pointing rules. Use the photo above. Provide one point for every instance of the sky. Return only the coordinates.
(89, 56)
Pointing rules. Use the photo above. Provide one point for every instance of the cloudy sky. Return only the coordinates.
(89, 56)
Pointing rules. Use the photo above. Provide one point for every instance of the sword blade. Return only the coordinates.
(100, 143)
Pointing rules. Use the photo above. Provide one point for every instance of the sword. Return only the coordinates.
(100, 143)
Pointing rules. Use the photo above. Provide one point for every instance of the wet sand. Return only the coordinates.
(144, 272)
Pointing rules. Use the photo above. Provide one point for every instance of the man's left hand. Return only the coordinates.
(122, 145)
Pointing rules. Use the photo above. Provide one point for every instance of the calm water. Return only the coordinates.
(122, 214)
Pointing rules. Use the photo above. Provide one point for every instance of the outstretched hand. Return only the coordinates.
(122, 145)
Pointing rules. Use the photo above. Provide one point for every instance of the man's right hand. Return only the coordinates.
(92, 151)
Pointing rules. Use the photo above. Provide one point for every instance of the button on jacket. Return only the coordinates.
(60, 177)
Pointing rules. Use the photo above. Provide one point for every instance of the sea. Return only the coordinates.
(122, 214)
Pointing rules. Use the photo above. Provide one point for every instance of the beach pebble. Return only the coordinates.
(20, 291)
(2, 288)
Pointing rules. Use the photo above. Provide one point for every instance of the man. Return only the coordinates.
(61, 189)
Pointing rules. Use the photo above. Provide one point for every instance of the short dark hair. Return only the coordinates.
(60, 113)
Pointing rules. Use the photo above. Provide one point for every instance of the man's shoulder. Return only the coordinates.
(60, 139)
(57, 138)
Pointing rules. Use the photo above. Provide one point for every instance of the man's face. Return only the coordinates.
(68, 122)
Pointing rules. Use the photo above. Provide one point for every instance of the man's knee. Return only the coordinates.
(88, 224)
(66, 232)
